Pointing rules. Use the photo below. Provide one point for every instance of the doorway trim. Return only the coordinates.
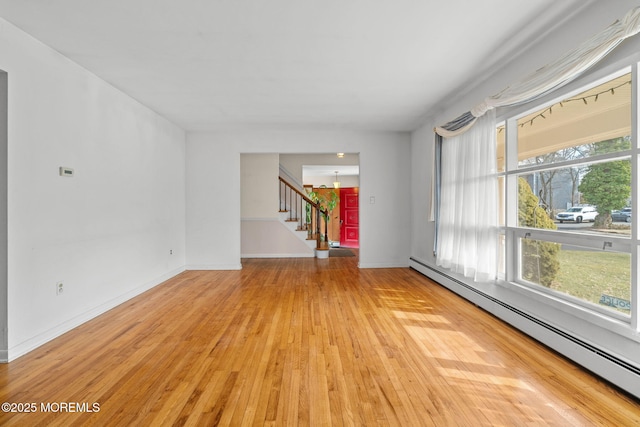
(4, 252)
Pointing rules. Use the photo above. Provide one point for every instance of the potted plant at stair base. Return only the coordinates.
(322, 253)
(327, 201)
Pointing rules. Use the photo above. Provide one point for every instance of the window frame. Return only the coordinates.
(626, 324)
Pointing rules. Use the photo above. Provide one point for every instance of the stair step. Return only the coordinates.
(299, 228)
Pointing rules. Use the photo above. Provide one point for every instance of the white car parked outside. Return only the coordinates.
(578, 214)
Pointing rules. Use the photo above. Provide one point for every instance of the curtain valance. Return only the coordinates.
(551, 76)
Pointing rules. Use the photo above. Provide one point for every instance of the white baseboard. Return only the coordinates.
(40, 339)
(214, 267)
(391, 264)
(311, 255)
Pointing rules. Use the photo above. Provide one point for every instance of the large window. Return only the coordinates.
(570, 182)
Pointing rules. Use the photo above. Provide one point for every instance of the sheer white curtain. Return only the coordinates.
(468, 217)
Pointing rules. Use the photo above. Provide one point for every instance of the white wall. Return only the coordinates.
(262, 233)
(612, 336)
(213, 174)
(270, 238)
(259, 185)
(4, 339)
(106, 233)
(213, 205)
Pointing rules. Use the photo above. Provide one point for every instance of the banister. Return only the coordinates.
(319, 210)
(304, 197)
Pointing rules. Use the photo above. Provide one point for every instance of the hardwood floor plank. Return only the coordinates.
(286, 342)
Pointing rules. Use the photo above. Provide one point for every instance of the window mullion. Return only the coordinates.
(511, 199)
(568, 163)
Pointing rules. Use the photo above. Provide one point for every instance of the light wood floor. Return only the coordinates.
(305, 342)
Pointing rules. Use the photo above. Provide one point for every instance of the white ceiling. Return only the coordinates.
(251, 64)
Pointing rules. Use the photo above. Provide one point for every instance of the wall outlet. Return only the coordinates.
(170, 251)
(65, 171)
(59, 288)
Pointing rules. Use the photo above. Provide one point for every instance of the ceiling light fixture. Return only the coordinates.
(340, 155)
(336, 183)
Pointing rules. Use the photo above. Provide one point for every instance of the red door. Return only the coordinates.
(349, 214)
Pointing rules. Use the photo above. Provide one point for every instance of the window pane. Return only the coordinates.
(502, 251)
(500, 148)
(583, 199)
(501, 207)
(568, 129)
(595, 276)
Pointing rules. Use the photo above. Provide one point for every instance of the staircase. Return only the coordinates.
(303, 217)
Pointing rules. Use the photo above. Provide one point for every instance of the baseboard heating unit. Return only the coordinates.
(608, 366)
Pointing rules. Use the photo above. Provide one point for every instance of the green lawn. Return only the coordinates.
(589, 274)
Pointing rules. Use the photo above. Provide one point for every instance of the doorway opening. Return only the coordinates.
(339, 181)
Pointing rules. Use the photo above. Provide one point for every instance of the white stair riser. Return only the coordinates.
(293, 226)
